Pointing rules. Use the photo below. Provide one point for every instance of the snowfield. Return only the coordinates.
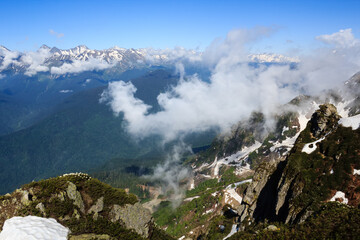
(353, 122)
(33, 228)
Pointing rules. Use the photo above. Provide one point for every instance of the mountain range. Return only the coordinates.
(296, 178)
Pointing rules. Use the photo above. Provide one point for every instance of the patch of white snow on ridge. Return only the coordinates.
(230, 195)
(190, 198)
(238, 183)
(284, 130)
(356, 172)
(342, 109)
(289, 142)
(341, 195)
(236, 157)
(208, 211)
(310, 147)
(33, 228)
(353, 122)
(232, 232)
(181, 238)
(192, 184)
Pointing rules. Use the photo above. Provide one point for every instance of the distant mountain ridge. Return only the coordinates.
(49, 59)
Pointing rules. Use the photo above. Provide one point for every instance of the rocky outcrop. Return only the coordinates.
(291, 190)
(324, 120)
(97, 207)
(134, 217)
(73, 200)
(75, 195)
(91, 236)
(253, 191)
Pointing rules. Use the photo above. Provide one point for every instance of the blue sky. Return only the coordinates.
(26, 25)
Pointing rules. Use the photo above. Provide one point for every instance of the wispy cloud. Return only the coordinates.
(58, 35)
(77, 66)
(235, 89)
(35, 61)
(343, 38)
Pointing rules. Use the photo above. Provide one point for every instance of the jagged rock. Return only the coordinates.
(60, 196)
(283, 191)
(97, 207)
(25, 199)
(133, 216)
(75, 195)
(260, 179)
(324, 120)
(41, 208)
(272, 228)
(76, 214)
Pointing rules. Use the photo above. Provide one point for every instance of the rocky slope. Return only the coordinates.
(89, 208)
(286, 175)
(322, 163)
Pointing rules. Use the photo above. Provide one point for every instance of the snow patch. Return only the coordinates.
(342, 108)
(230, 195)
(284, 130)
(356, 172)
(192, 184)
(181, 238)
(289, 142)
(208, 211)
(341, 195)
(353, 122)
(190, 198)
(238, 183)
(232, 232)
(237, 157)
(310, 147)
(33, 228)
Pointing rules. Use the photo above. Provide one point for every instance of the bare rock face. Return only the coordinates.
(97, 207)
(75, 195)
(291, 190)
(260, 179)
(324, 120)
(134, 217)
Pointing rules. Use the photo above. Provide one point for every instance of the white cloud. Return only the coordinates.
(235, 89)
(171, 172)
(35, 61)
(58, 35)
(79, 66)
(343, 38)
(9, 57)
(170, 55)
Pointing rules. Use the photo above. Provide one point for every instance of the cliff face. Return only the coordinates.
(320, 167)
(84, 205)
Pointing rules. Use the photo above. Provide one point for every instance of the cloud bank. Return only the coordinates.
(77, 66)
(236, 89)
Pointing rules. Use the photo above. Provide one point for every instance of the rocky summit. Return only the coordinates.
(89, 208)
